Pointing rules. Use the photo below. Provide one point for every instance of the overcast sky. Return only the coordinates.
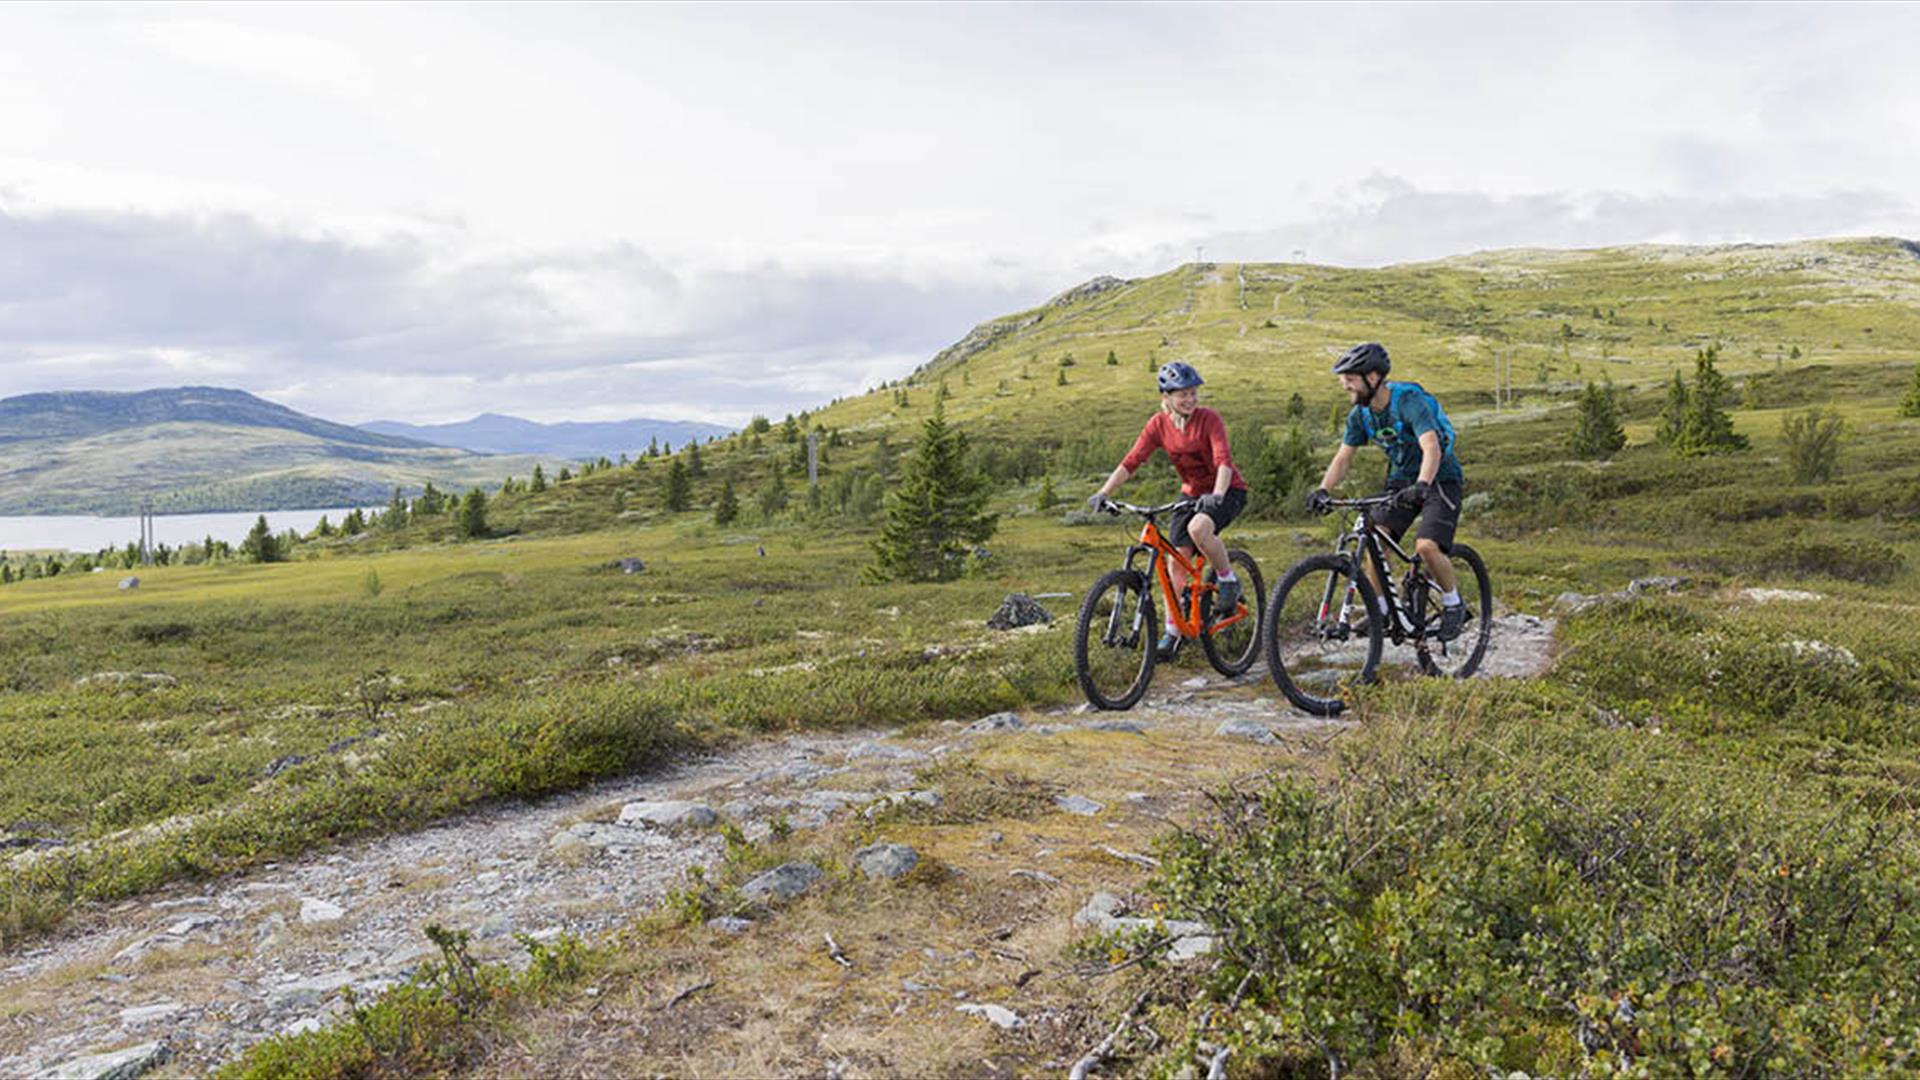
(420, 213)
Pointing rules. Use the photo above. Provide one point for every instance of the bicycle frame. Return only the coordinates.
(1369, 540)
(1160, 553)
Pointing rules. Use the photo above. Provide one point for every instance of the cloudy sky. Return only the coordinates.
(424, 212)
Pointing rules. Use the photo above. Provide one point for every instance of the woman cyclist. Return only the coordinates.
(1196, 440)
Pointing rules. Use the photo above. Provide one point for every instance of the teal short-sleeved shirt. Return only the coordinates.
(1411, 412)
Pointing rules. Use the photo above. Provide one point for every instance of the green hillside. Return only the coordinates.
(207, 449)
(1259, 332)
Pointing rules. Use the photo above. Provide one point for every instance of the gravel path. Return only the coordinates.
(201, 972)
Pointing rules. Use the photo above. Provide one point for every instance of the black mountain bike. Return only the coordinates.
(1113, 644)
(1324, 632)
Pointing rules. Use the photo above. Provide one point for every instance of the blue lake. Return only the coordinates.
(78, 533)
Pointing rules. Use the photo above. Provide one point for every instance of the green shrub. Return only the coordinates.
(1485, 885)
(1812, 440)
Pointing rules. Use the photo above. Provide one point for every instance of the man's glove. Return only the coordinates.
(1319, 501)
(1097, 502)
(1414, 495)
(1208, 504)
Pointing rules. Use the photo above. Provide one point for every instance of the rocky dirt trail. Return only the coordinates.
(193, 975)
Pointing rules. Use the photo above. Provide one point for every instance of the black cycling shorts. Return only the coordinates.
(1234, 501)
(1438, 518)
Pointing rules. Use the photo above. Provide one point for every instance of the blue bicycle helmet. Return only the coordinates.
(1365, 359)
(1178, 375)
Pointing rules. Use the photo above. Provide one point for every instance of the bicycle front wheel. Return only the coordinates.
(1460, 657)
(1231, 649)
(1113, 643)
(1322, 633)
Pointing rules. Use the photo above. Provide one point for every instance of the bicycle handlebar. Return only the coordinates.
(1115, 506)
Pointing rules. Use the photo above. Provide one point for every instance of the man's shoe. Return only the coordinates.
(1453, 619)
(1169, 645)
(1226, 598)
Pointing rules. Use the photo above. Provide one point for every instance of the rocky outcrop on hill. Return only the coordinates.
(990, 333)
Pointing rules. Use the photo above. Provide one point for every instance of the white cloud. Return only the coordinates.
(416, 200)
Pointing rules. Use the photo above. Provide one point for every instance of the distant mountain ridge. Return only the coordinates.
(203, 449)
(80, 413)
(494, 433)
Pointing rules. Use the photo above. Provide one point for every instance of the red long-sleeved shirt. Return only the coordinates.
(1197, 452)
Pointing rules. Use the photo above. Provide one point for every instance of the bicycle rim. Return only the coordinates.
(1232, 648)
(1114, 639)
(1460, 657)
(1322, 634)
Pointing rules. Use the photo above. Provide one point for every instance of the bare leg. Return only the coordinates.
(1439, 567)
(1201, 531)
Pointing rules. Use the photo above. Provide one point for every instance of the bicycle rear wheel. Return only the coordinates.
(1322, 633)
(1231, 649)
(1113, 643)
(1460, 657)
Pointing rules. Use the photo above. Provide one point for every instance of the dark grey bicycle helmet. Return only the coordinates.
(1364, 359)
(1178, 375)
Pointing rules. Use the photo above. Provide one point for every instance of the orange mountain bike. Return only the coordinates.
(1113, 645)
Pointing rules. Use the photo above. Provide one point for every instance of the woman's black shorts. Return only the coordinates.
(1234, 501)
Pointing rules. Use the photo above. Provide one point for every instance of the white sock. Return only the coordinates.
(1227, 576)
(1451, 599)
(1172, 630)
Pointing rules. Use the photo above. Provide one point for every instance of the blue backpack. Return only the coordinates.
(1400, 390)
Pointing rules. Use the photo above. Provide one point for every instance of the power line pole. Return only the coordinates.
(146, 533)
(813, 459)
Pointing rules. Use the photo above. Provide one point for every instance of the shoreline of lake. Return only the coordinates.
(86, 533)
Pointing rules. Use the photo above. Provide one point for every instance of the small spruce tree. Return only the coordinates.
(677, 489)
(1062, 380)
(695, 467)
(1598, 433)
(1673, 415)
(1113, 359)
(936, 511)
(1282, 471)
(1048, 498)
(261, 545)
(728, 508)
(1296, 407)
(539, 482)
(473, 514)
(1910, 405)
(1706, 427)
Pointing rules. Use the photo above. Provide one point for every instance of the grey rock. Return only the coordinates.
(730, 924)
(1198, 682)
(190, 923)
(1048, 729)
(1128, 727)
(912, 987)
(1478, 502)
(1078, 804)
(616, 839)
(630, 566)
(899, 798)
(783, 882)
(1661, 584)
(886, 861)
(830, 800)
(987, 725)
(1105, 913)
(305, 993)
(668, 815)
(886, 752)
(127, 583)
(314, 910)
(146, 1014)
(1246, 729)
(122, 1064)
(498, 924)
(1018, 610)
(998, 1015)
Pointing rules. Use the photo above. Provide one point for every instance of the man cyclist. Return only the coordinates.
(1423, 475)
(1196, 440)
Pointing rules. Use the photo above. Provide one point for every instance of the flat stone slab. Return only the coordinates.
(885, 752)
(1103, 914)
(123, 1064)
(998, 1015)
(783, 882)
(886, 861)
(668, 815)
(1078, 804)
(314, 910)
(988, 725)
(1247, 729)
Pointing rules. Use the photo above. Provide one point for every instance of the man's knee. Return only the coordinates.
(1426, 548)
(1201, 527)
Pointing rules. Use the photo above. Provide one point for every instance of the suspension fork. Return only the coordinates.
(1139, 609)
